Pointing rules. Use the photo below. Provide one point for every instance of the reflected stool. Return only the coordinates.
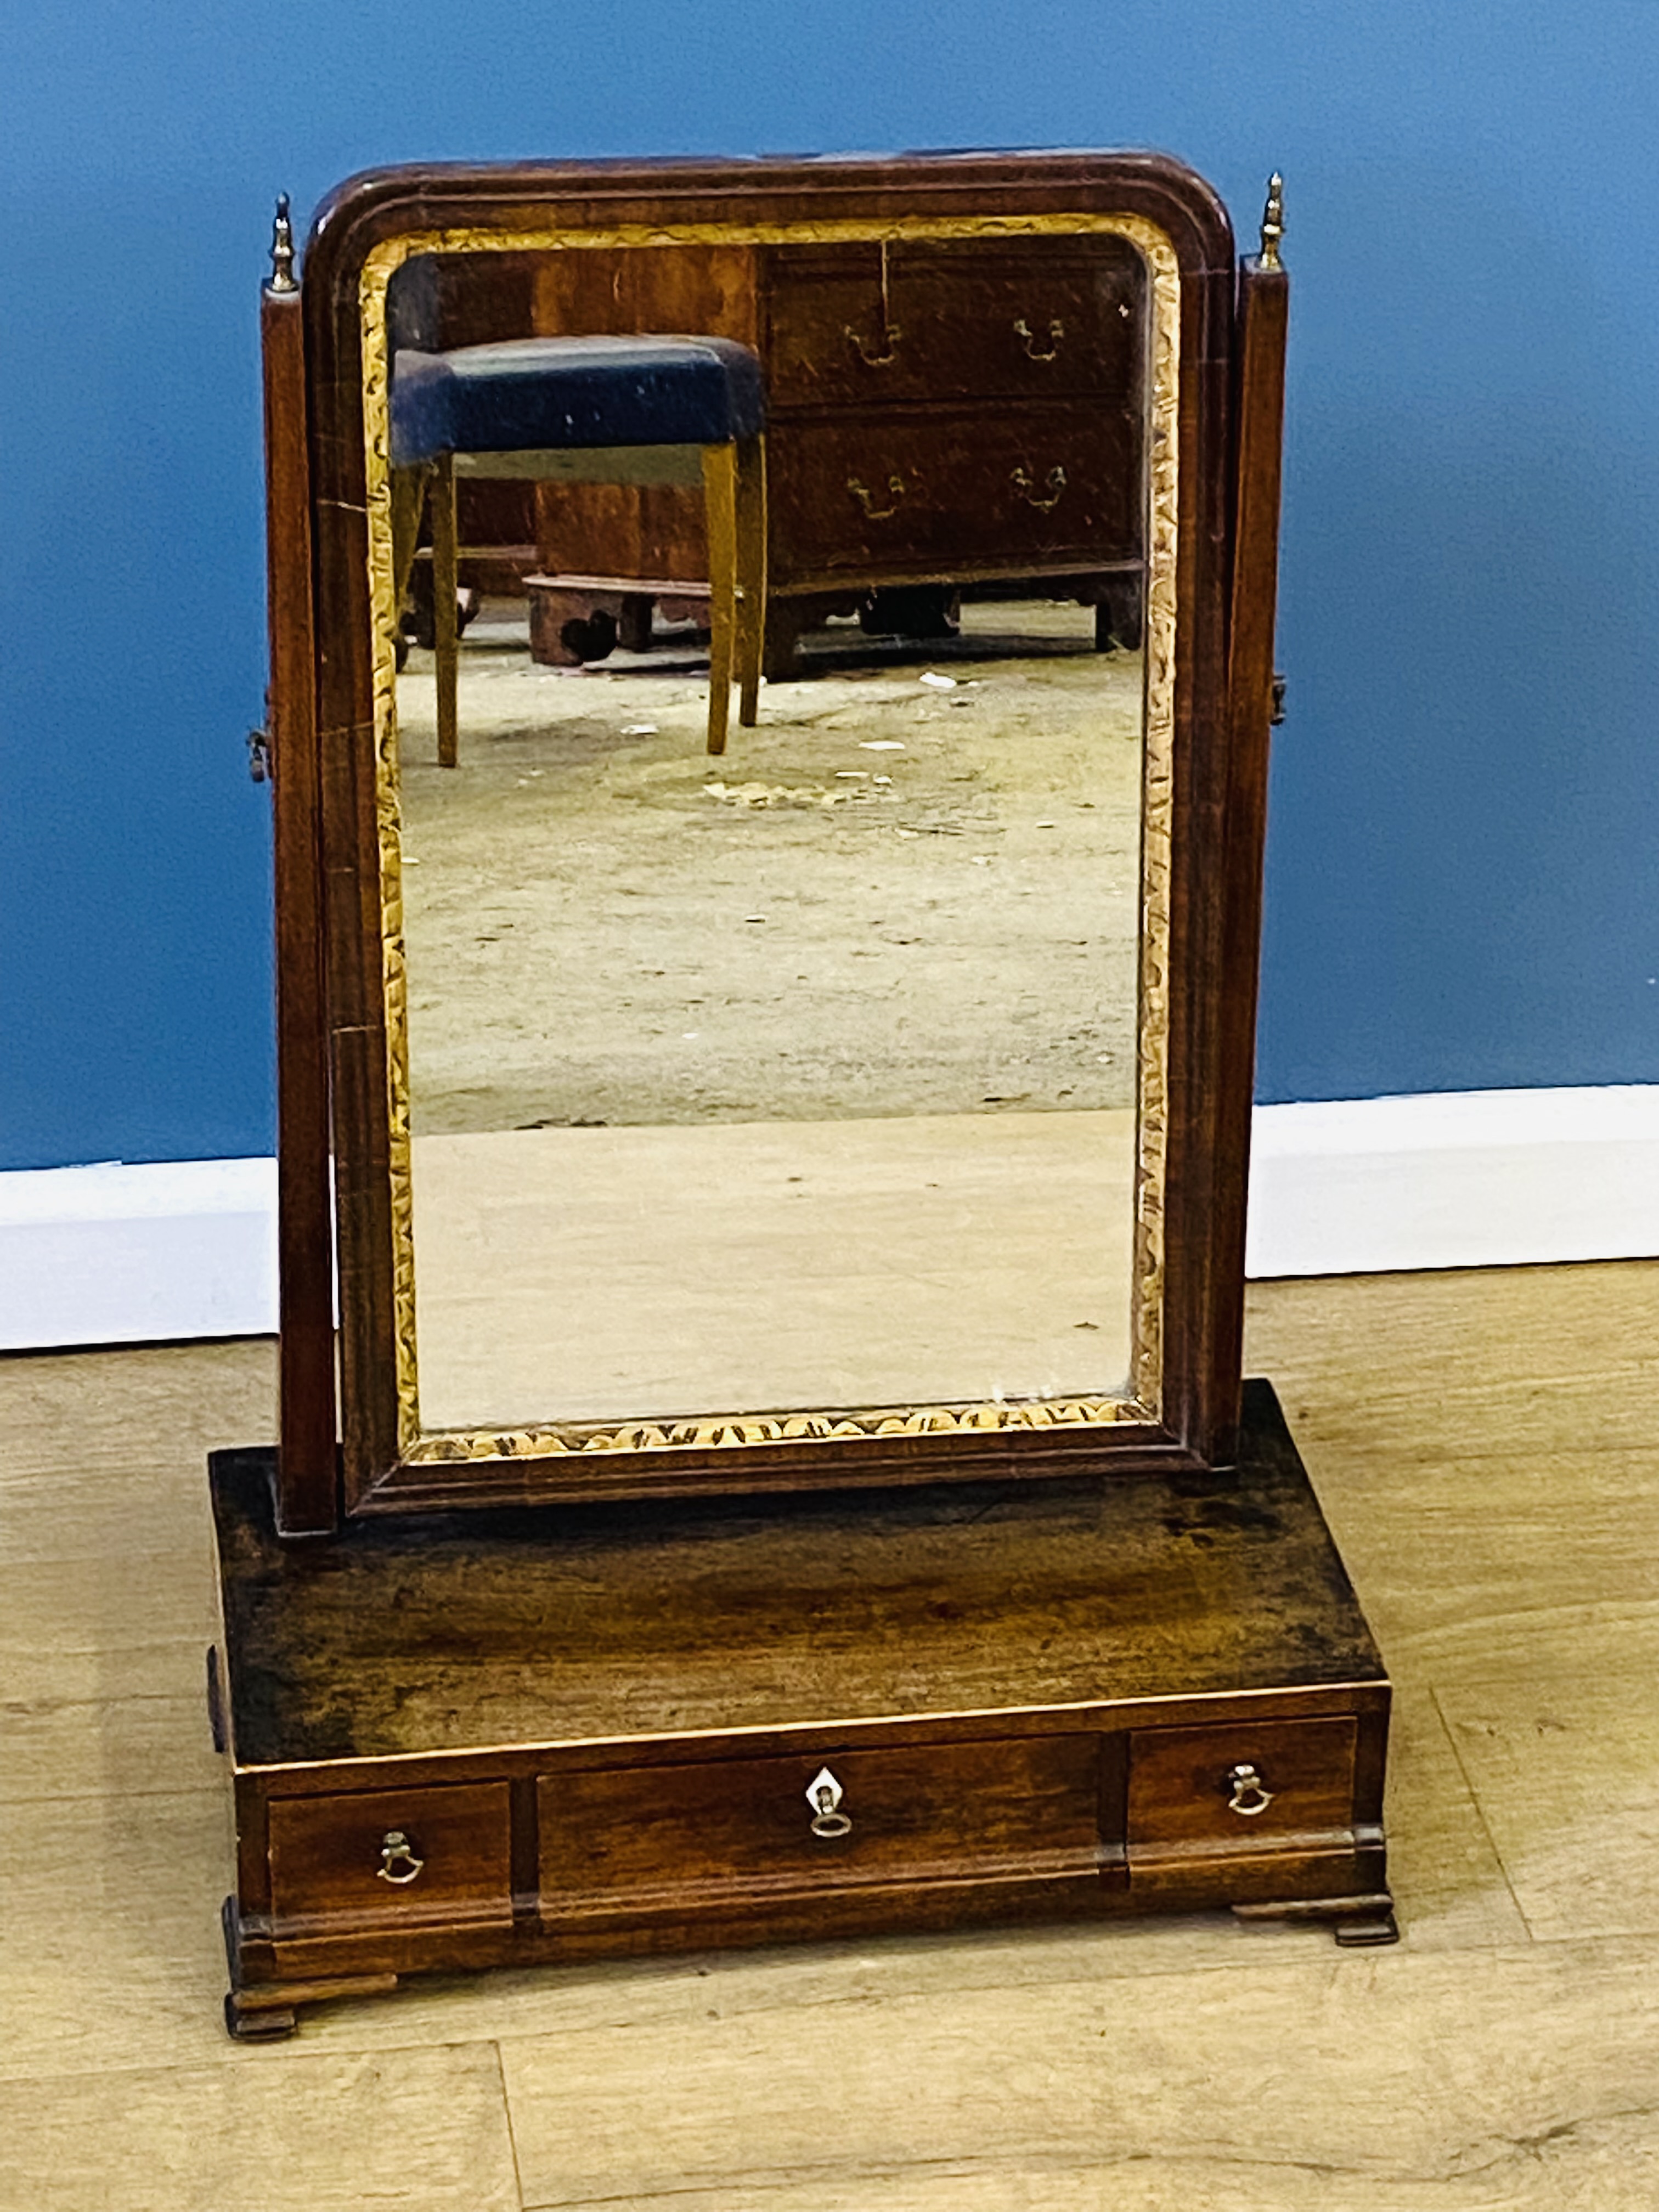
(629, 411)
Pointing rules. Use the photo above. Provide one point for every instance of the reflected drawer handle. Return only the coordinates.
(1056, 332)
(395, 1851)
(1021, 481)
(1248, 1784)
(866, 498)
(824, 1794)
(891, 335)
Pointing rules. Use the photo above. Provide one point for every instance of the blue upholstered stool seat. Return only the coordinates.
(635, 410)
(530, 394)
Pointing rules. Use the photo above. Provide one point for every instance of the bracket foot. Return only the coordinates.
(1357, 1921)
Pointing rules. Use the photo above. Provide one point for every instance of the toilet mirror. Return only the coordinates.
(804, 1113)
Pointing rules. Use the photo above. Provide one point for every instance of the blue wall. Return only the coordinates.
(1466, 797)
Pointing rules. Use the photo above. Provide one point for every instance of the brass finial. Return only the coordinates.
(282, 250)
(1273, 223)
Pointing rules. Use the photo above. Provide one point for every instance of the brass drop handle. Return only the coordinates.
(866, 498)
(395, 1851)
(1250, 1793)
(824, 1794)
(891, 335)
(1056, 332)
(1022, 483)
(890, 332)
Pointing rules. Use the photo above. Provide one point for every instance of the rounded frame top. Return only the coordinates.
(364, 209)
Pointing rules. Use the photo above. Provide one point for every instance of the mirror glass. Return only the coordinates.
(806, 1077)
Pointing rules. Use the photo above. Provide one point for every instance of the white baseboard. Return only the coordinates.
(117, 1255)
(1455, 1178)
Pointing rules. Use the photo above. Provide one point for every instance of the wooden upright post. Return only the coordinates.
(307, 1478)
(1263, 314)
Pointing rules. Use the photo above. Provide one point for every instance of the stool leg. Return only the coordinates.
(752, 574)
(719, 493)
(446, 631)
(408, 497)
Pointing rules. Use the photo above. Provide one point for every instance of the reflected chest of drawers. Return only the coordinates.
(940, 414)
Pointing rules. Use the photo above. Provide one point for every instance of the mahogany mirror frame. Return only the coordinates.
(340, 1449)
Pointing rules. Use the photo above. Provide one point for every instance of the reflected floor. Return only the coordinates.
(797, 1078)
(600, 1274)
(894, 896)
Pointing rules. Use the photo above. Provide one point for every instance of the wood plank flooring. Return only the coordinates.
(1486, 1447)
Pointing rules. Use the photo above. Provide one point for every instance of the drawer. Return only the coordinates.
(392, 1858)
(963, 321)
(1241, 1787)
(681, 1835)
(953, 494)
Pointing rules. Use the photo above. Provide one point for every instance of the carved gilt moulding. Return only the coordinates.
(1179, 1403)
(723, 1430)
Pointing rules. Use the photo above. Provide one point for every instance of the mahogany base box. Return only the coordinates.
(495, 1737)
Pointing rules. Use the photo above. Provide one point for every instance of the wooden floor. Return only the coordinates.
(1486, 1447)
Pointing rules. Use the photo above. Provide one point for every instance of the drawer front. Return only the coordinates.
(1241, 1787)
(963, 321)
(954, 495)
(392, 1858)
(679, 1835)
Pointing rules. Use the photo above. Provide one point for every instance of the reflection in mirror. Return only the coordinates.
(807, 1077)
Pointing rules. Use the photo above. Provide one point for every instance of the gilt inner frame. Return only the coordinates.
(702, 1431)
